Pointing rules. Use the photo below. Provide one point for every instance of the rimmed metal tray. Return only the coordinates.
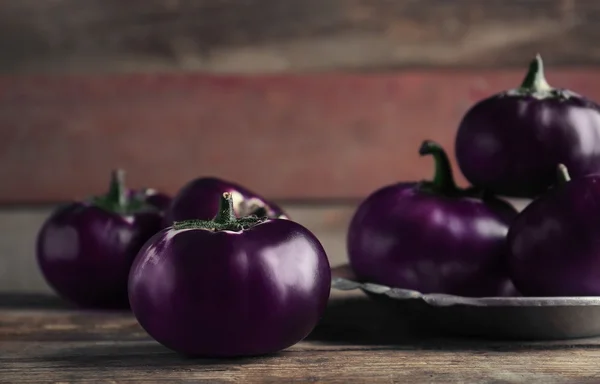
(520, 318)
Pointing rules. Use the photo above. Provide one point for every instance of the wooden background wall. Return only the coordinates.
(298, 99)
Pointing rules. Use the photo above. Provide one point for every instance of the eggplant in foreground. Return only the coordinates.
(230, 286)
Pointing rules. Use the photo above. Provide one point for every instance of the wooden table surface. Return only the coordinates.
(42, 340)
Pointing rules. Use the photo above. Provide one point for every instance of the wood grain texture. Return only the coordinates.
(300, 35)
(325, 136)
(356, 342)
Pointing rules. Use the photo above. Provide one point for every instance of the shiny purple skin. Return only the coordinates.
(159, 200)
(226, 294)
(199, 200)
(510, 143)
(85, 252)
(406, 238)
(554, 243)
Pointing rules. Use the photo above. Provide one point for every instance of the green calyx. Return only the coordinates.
(535, 84)
(443, 180)
(118, 198)
(562, 174)
(225, 219)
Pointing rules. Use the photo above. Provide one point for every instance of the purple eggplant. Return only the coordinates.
(230, 286)
(432, 236)
(554, 243)
(85, 249)
(153, 197)
(511, 142)
(199, 200)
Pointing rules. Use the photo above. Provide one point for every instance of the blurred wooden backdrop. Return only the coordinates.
(297, 99)
(302, 100)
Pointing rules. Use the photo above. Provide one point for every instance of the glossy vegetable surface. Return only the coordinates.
(432, 236)
(511, 142)
(230, 287)
(85, 249)
(554, 243)
(199, 200)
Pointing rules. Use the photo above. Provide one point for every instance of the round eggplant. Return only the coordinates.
(230, 286)
(511, 142)
(554, 243)
(85, 249)
(431, 236)
(199, 200)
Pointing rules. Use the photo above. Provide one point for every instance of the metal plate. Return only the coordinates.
(519, 318)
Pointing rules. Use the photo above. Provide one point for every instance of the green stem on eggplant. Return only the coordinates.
(535, 80)
(443, 180)
(225, 220)
(117, 192)
(226, 212)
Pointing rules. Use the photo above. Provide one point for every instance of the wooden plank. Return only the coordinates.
(62, 345)
(147, 362)
(287, 137)
(301, 35)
